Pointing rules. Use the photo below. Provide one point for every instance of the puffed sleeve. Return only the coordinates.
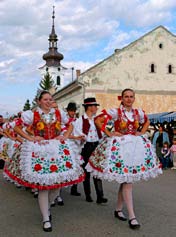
(64, 117)
(4, 126)
(142, 116)
(27, 117)
(113, 113)
(12, 124)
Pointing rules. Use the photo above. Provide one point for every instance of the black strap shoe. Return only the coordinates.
(47, 229)
(133, 226)
(116, 215)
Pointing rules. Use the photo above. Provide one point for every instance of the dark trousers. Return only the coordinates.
(165, 161)
(2, 163)
(87, 150)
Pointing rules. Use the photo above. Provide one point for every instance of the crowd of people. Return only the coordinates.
(47, 149)
(165, 145)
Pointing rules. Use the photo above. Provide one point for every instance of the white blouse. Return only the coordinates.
(28, 116)
(129, 114)
(78, 129)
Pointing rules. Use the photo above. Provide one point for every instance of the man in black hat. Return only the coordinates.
(85, 126)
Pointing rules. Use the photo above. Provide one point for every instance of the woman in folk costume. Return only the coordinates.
(124, 155)
(12, 166)
(47, 161)
(10, 141)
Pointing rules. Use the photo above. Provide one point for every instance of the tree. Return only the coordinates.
(47, 83)
(27, 105)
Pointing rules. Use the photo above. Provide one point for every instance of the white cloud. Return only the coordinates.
(82, 26)
(6, 63)
(121, 39)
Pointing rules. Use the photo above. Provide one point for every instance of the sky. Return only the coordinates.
(88, 32)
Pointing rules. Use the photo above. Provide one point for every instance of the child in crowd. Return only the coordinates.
(165, 151)
(173, 153)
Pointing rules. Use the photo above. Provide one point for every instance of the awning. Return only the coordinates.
(169, 117)
(154, 118)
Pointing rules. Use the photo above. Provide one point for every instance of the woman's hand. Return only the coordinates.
(36, 139)
(116, 134)
(61, 138)
(139, 133)
(80, 138)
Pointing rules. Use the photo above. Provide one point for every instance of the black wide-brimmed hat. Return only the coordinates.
(71, 106)
(90, 101)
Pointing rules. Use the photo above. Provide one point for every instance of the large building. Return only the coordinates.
(147, 65)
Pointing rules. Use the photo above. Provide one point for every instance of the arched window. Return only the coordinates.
(170, 68)
(58, 80)
(152, 68)
(160, 45)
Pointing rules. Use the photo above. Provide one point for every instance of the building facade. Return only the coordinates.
(147, 65)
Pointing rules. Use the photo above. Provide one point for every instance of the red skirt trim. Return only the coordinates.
(94, 167)
(42, 187)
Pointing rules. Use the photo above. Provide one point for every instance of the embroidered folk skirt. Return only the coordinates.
(125, 159)
(48, 164)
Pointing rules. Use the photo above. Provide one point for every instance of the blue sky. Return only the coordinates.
(88, 32)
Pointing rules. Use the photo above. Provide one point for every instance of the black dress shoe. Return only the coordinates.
(75, 193)
(53, 204)
(102, 200)
(116, 214)
(47, 229)
(89, 199)
(133, 226)
(60, 203)
(36, 194)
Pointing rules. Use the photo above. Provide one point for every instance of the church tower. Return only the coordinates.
(53, 58)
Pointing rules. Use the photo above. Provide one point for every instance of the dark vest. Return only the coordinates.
(86, 127)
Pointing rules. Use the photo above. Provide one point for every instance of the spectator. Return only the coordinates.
(1, 124)
(159, 138)
(165, 151)
(1, 135)
(173, 153)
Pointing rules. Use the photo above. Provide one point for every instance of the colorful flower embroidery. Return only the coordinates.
(66, 152)
(40, 126)
(58, 125)
(44, 164)
(118, 164)
(113, 148)
(37, 167)
(53, 168)
(68, 164)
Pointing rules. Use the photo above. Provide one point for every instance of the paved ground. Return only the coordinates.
(155, 204)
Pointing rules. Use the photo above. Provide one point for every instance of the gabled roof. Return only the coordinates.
(129, 46)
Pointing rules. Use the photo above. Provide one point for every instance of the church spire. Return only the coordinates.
(53, 17)
(53, 37)
(53, 57)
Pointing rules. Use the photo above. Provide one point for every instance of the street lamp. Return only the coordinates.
(72, 72)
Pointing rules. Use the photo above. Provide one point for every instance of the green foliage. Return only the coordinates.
(27, 105)
(47, 82)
